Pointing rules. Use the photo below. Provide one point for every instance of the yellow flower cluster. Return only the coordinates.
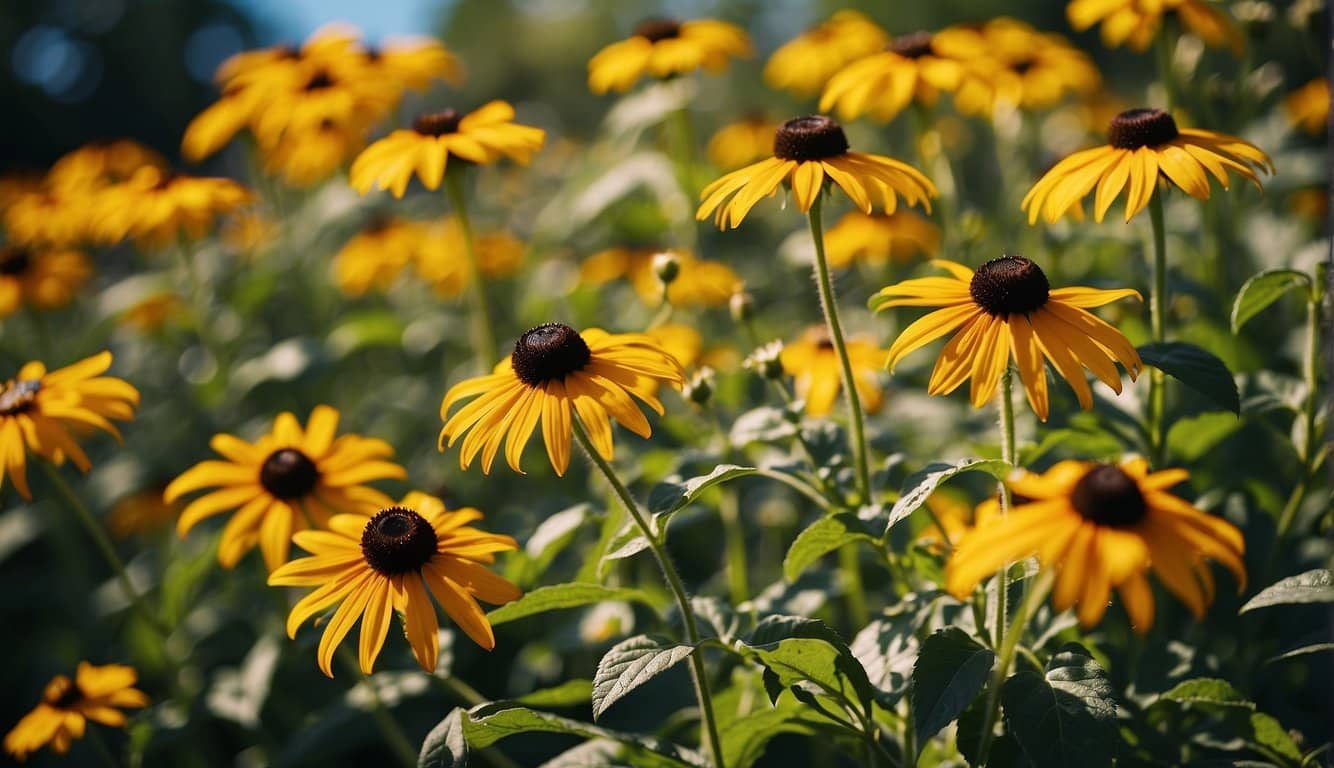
(375, 257)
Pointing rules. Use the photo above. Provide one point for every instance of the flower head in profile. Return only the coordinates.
(1102, 527)
(96, 693)
(440, 261)
(663, 48)
(1308, 107)
(1007, 310)
(375, 257)
(43, 217)
(680, 341)
(157, 206)
(1144, 147)
(1136, 22)
(481, 137)
(742, 142)
(807, 150)
(912, 68)
(288, 480)
(814, 366)
(41, 278)
(879, 238)
(43, 411)
(100, 164)
(804, 64)
(1025, 69)
(395, 562)
(554, 374)
(306, 158)
(699, 282)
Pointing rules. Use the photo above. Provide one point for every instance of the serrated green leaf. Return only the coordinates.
(560, 596)
(822, 537)
(486, 724)
(1315, 586)
(950, 671)
(1207, 691)
(627, 542)
(1267, 732)
(1197, 368)
(445, 746)
(797, 651)
(670, 496)
(631, 663)
(567, 694)
(922, 483)
(1262, 290)
(1065, 717)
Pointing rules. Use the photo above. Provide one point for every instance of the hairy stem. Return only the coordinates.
(1158, 332)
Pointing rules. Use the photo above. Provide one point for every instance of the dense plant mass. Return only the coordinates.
(299, 395)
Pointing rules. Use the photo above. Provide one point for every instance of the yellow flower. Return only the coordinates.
(816, 373)
(879, 238)
(157, 207)
(666, 47)
(306, 157)
(955, 516)
(441, 260)
(741, 143)
(678, 340)
(40, 278)
(247, 230)
(1144, 147)
(414, 63)
(481, 137)
(1136, 22)
(1308, 106)
(286, 481)
(698, 283)
(373, 567)
(97, 165)
(914, 67)
(376, 256)
(38, 410)
(1102, 527)
(1006, 310)
(1025, 69)
(806, 150)
(96, 693)
(141, 513)
(42, 217)
(803, 65)
(555, 369)
(150, 313)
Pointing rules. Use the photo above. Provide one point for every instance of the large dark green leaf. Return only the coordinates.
(887, 648)
(804, 652)
(671, 495)
(822, 537)
(1262, 290)
(744, 738)
(631, 663)
(1311, 587)
(445, 746)
(1196, 368)
(950, 671)
(486, 724)
(1065, 717)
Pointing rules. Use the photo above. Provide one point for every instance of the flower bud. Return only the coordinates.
(666, 266)
(742, 305)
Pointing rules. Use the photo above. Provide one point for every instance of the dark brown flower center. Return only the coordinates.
(1009, 285)
(549, 352)
(1022, 65)
(14, 261)
(319, 81)
(1142, 127)
(437, 123)
(913, 46)
(654, 30)
(813, 137)
(288, 474)
(398, 540)
(18, 396)
(68, 697)
(1108, 496)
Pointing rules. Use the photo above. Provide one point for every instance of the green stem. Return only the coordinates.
(1008, 455)
(483, 337)
(734, 544)
(101, 748)
(1310, 361)
(700, 675)
(1036, 592)
(1162, 48)
(829, 304)
(1158, 332)
(393, 735)
(104, 546)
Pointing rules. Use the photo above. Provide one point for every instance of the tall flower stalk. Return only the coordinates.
(484, 338)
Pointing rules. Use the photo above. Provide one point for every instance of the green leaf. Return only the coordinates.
(822, 537)
(627, 542)
(486, 724)
(744, 738)
(359, 330)
(1262, 290)
(559, 596)
(1267, 732)
(887, 648)
(1302, 651)
(1065, 717)
(1196, 368)
(567, 694)
(800, 652)
(1194, 436)
(670, 496)
(950, 671)
(1209, 692)
(631, 663)
(1311, 587)
(922, 483)
(445, 746)
(553, 535)
(765, 424)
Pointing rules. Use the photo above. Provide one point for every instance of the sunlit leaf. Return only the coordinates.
(1262, 290)
(631, 663)
(560, 596)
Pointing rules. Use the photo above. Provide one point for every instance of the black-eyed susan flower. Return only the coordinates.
(158, 207)
(1007, 310)
(698, 282)
(952, 517)
(1308, 107)
(482, 137)
(288, 480)
(742, 143)
(396, 561)
(1136, 22)
(806, 151)
(440, 256)
(41, 411)
(917, 67)
(1102, 527)
(375, 257)
(40, 278)
(100, 164)
(556, 373)
(663, 48)
(305, 158)
(678, 340)
(1025, 69)
(814, 367)
(1144, 147)
(96, 693)
(804, 64)
(414, 63)
(877, 238)
(42, 217)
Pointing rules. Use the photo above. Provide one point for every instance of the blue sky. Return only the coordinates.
(294, 19)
